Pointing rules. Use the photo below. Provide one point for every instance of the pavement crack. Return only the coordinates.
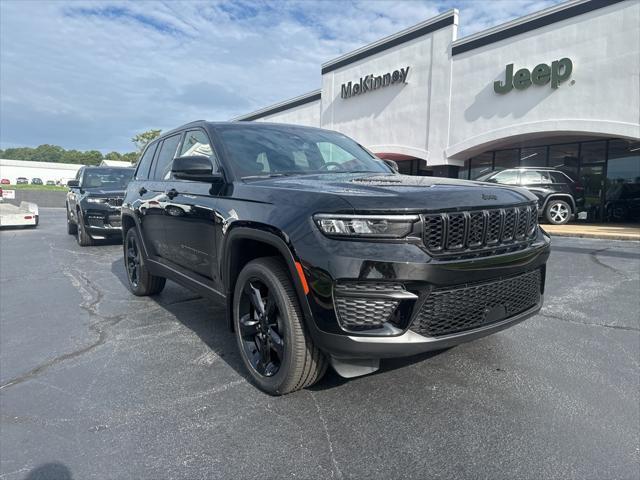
(91, 298)
(594, 258)
(335, 468)
(604, 325)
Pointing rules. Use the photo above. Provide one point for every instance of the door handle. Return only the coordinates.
(171, 193)
(142, 191)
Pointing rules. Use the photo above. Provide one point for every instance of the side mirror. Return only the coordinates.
(391, 164)
(73, 183)
(196, 168)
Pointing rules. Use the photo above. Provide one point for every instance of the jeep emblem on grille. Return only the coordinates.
(486, 196)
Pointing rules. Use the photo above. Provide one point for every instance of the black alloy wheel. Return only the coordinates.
(132, 261)
(261, 330)
(141, 281)
(274, 344)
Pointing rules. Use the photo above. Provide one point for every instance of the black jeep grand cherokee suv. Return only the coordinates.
(323, 253)
(93, 203)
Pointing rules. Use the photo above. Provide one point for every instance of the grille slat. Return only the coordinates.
(477, 231)
(450, 311)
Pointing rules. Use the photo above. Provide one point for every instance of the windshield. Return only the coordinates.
(107, 178)
(273, 151)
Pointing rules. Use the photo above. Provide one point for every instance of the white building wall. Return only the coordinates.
(408, 118)
(307, 115)
(602, 96)
(58, 172)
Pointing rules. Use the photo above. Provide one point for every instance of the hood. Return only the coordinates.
(404, 192)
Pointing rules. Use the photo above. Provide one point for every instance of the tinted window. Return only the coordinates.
(142, 173)
(107, 178)
(534, 176)
(481, 165)
(273, 150)
(506, 159)
(162, 169)
(559, 177)
(196, 143)
(533, 157)
(507, 177)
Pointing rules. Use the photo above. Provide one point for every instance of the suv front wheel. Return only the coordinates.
(558, 212)
(274, 344)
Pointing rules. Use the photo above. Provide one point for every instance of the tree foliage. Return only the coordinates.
(142, 139)
(55, 153)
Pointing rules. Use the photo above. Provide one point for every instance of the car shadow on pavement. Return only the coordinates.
(50, 471)
(207, 319)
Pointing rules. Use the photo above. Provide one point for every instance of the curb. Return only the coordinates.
(603, 236)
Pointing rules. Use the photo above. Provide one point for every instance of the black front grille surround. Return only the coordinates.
(452, 310)
(479, 232)
(115, 202)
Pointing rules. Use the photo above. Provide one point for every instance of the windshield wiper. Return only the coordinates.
(268, 175)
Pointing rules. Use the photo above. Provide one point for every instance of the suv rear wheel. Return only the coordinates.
(274, 344)
(141, 281)
(558, 212)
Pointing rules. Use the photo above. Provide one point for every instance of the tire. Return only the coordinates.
(72, 228)
(300, 363)
(558, 212)
(141, 282)
(82, 236)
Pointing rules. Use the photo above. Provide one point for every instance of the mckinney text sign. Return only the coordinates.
(556, 73)
(374, 82)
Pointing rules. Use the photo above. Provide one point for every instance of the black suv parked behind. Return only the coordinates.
(93, 203)
(325, 254)
(556, 191)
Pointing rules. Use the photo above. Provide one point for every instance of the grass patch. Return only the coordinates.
(54, 188)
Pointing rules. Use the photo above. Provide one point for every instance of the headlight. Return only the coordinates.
(370, 226)
(96, 200)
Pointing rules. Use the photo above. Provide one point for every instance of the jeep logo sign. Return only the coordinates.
(372, 82)
(558, 72)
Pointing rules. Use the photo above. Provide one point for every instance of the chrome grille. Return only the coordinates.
(478, 232)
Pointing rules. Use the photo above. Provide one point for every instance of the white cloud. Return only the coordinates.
(91, 74)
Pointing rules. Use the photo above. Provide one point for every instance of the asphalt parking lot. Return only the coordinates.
(96, 383)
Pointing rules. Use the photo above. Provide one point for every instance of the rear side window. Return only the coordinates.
(531, 176)
(507, 177)
(162, 170)
(142, 173)
(559, 177)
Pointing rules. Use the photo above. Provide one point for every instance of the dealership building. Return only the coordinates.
(558, 88)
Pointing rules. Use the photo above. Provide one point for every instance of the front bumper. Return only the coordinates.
(408, 343)
(328, 263)
(103, 222)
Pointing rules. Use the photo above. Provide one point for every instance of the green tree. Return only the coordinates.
(131, 157)
(142, 139)
(113, 156)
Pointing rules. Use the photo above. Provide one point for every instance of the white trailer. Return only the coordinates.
(24, 215)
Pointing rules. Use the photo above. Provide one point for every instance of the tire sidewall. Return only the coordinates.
(547, 214)
(257, 270)
(132, 233)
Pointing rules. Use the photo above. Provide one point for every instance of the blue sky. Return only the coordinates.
(90, 75)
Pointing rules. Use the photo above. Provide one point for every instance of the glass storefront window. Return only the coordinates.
(506, 159)
(463, 173)
(622, 198)
(481, 164)
(533, 157)
(565, 157)
(593, 152)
